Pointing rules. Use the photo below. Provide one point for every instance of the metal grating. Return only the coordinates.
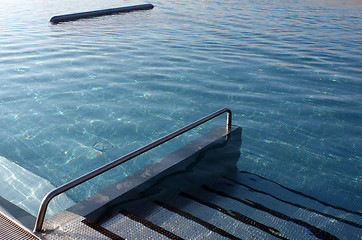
(244, 207)
(9, 230)
(76, 229)
(128, 228)
(204, 198)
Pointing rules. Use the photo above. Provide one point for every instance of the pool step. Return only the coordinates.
(25, 189)
(197, 193)
(252, 208)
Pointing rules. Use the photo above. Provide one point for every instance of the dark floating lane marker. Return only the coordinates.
(297, 205)
(238, 216)
(102, 230)
(98, 13)
(304, 195)
(197, 220)
(319, 233)
(150, 225)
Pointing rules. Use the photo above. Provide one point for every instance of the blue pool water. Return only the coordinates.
(289, 70)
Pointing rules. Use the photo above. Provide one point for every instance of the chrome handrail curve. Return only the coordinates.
(67, 186)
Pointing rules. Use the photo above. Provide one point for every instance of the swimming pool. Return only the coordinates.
(290, 72)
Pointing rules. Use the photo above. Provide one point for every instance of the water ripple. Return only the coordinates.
(289, 70)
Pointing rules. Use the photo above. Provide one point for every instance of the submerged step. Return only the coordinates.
(26, 189)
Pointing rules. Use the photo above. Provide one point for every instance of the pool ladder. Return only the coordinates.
(65, 187)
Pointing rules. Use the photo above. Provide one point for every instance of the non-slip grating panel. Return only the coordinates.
(11, 231)
(128, 228)
(76, 229)
(164, 219)
(245, 206)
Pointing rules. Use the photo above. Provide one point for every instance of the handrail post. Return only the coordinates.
(228, 120)
(75, 182)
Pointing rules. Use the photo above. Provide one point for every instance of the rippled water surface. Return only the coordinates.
(77, 95)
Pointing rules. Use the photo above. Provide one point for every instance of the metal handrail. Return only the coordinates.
(65, 187)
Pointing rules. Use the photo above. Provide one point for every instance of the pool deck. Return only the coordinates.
(12, 229)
